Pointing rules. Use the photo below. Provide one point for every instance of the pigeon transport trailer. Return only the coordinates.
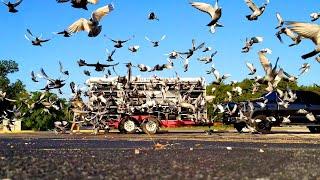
(147, 104)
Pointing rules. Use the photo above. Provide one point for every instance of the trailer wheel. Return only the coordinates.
(262, 124)
(314, 129)
(151, 126)
(127, 125)
(239, 126)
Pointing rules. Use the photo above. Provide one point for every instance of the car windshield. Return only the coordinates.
(272, 97)
(308, 97)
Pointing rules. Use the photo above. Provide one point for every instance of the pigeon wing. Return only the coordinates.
(264, 61)
(17, 3)
(98, 14)
(306, 30)
(251, 5)
(204, 7)
(92, 1)
(80, 25)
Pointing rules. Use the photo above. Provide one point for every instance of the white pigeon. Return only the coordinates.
(318, 59)
(234, 109)
(261, 150)
(305, 67)
(302, 111)
(256, 11)
(208, 59)
(311, 117)
(263, 104)
(286, 120)
(207, 49)
(252, 69)
(229, 96)
(238, 90)
(186, 65)
(280, 93)
(92, 25)
(221, 108)
(314, 16)
(280, 21)
(215, 13)
(308, 31)
(271, 118)
(219, 78)
(143, 68)
(173, 55)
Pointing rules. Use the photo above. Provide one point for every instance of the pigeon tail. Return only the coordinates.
(219, 25)
(213, 22)
(13, 10)
(278, 27)
(249, 17)
(293, 44)
(310, 54)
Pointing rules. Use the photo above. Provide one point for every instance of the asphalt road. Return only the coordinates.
(194, 155)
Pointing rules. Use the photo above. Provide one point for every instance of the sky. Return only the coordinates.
(178, 21)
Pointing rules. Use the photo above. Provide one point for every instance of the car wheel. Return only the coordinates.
(261, 124)
(314, 129)
(127, 125)
(239, 126)
(151, 126)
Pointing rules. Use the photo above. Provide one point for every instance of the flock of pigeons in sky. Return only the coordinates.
(296, 31)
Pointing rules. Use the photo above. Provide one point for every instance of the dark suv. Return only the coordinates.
(263, 118)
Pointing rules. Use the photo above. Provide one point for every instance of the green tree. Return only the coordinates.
(41, 118)
(246, 85)
(12, 90)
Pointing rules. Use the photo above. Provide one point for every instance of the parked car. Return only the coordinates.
(262, 118)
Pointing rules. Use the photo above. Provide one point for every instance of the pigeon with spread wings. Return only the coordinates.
(314, 16)
(252, 69)
(119, 43)
(256, 11)
(280, 20)
(110, 58)
(12, 6)
(37, 41)
(288, 32)
(91, 26)
(155, 43)
(98, 66)
(308, 31)
(62, 71)
(208, 59)
(52, 83)
(82, 4)
(215, 13)
(250, 42)
(193, 49)
(34, 77)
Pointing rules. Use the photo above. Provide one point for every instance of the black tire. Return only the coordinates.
(239, 126)
(150, 126)
(127, 125)
(264, 126)
(314, 129)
